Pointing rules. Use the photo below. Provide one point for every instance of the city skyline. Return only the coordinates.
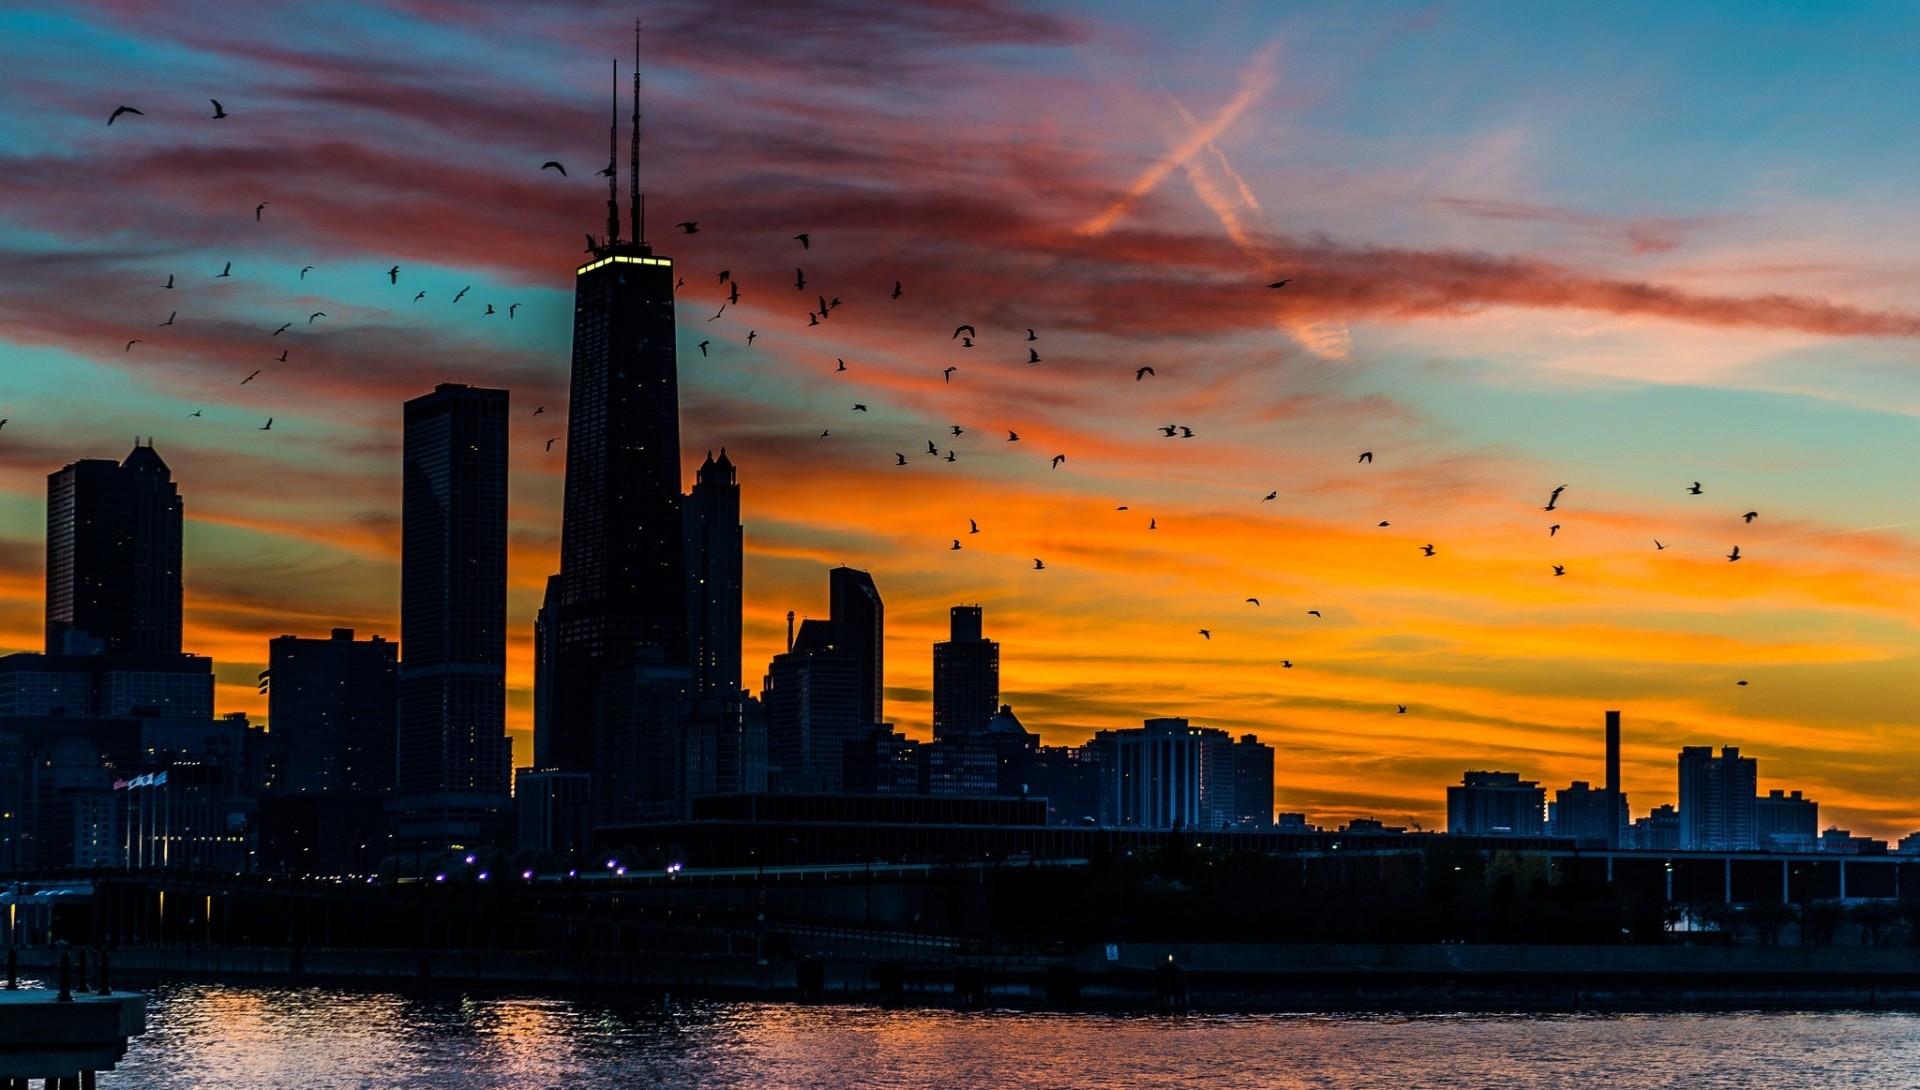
(1469, 298)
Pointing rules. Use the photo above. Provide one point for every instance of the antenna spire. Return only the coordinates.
(613, 163)
(636, 204)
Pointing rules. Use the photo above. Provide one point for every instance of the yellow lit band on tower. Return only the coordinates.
(585, 269)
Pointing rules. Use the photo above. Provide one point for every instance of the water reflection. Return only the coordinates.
(237, 1038)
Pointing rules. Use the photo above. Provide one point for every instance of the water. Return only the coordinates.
(238, 1038)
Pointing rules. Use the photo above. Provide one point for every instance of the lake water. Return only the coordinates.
(239, 1038)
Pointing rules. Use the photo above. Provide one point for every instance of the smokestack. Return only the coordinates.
(789, 631)
(1613, 779)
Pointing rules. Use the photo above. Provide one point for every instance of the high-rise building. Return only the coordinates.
(1716, 800)
(113, 557)
(1786, 822)
(453, 757)
(1171, 774)
(1496, 804)
(331, 705)
(812, 695)
(1579, 810)
(1253, 783)
(858, 620)
(713, 559)
(966, 677)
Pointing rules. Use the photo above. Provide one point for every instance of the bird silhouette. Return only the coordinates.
(457, 296)
(1153, 523)
(131, 343)
(511, 307)
(824, 306)
(967, 329)
(609, 171)
(249, 378)
(316, 314)
(1559, 569)
(1751, 515)
(258, 209)
(957, 430)
(305, 270)
(1366, 456)
(951, 458)
(841, 362)
(812, 318)
(1695, 490)
(393, 275)
(282, 357)
(281, 330)
(1656, 544)
(1037, 566)
(823, 434)
(859, 409)
(751, 334)
(956, 543)
(1013, 437)
(170, 317)
(195, 412)
(227, 271)
(1742, 682)
(1122, 507)
(1383, 522)
(1275, 494)
(1554, 529)
(1033, 355)
(1206, 633)
(123, 110)
(1170, 430)
(268, 426)
(1735, 554)
(554, 164)
(540, 409)
(902, 459)
(219, 111)
(419, 296)
(489, 310)
(1427, 549)
(804, 240)
(966, 342)
(948, 374)
(734, 295)
(718, 313)
(1057, 459)
(931, 449)
(703, 347)
(799, 280)
(1554, 498)
(688, 227)
(1314, 613)
(1281, 283)
(1255, 601)
(1031, 335)
(896, 289)
(1141, 373)
(1186, 432)
(724, 274)
(973, 527)
(1286, 664)
(1402, 707)
(169, 283)
(550, 442)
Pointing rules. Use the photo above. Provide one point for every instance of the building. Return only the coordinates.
(1253, 783)
(1496, 804)
(552, 811)
(1659, 831)
(136, 685)
(332, 705)
(714, 556)
(453, 758)
(1716, 800)
(114, 557)
(1170, 774)
(1579, 810)
(1786, 822)
(857, 619)
(812, 694)
(966, 677)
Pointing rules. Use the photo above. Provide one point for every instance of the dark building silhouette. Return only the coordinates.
(1496, 804)
(1580, 810)
(1616, 802)
(1253, 783)
(966, 677)
(453, 756)
(552, 811)
(1786, 822)
(113, 557)
(134, 685)
(714, 555)
(858, 620)
(1171, 774)
(1716, 800)
(332, 706)
(812, 695)
(1658, 831)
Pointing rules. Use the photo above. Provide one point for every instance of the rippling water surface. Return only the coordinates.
(237, 1038)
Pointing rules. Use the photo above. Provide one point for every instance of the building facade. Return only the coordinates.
(966, 676)
(1496, 804)
(333, 707)
(114, 557)
(1717, 800)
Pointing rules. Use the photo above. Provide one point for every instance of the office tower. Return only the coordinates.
(713, 563)
(1252, 783)
(113, 557)
(966, 677)
(858, 620)
(1786, 822)
(1658, 831)
(1496, 804)
(1616, 803)
(813, 694)
(331, 705)
(1716, 800)
(1169, 774)
(452, 762)
(1580, 810)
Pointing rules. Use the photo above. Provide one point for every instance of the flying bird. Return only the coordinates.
(799, 280)
(283, 356)
(1122, 507)
(724, 274)
(554, 164)
(1735, 554)
(1559, 569)
(550, 442)
(1314, 613)
(1281, 283)
(734, 295)
(902, 459)
(957, 430)
(1656, 544)
(1033, 355)
(1554, 529)
(462, 292)
(268, 426)
(703, 347)
(219, 111)
(931, 449)
(1742, 682)
(718, 313)
(1141, 373)
(228, 271)
(858, 409)
(1751, 515)
(1695, 490)
(249, 378)
(1402, 707)
(420, 296)
(1286, 664)
(608, 171)
(1383, 522)
(539, 410)
(1057, 459)
(316, 314)
(1031, 335)
(1013, 437)
(967, 329)
(956, 543)
(393, 275)
(973, 527)
(195, 412)
(1186, 432)
(170, 316)
(131, 343)
(751, 334)
(688, 227)
(511, 307)
(951, 458)
(1255, 601)
(169, 282)
(1275, 494)
(305, 270)
(966, 342)
(841, 362)
(896, 289)
(281, 330)
(812, 318)
(1170, 429)
(948, 373)
(489, 310)
(1554, 498)
(1427, 549)
(1037, 566)
(1206, 633)
(804, 240)
(1366, 456)
(258, 209)
(1153, 523)
(123, 110)
(823, 433)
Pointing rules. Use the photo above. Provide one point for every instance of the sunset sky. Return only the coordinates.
(1620, 248)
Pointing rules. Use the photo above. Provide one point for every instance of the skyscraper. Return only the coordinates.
(453, 757)
(813, 705)
(857, 621)
(113, 557)
(331, 707)
(966, 677)
(713, 559)
(1717, 800)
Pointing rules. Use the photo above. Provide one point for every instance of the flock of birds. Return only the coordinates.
(966, 335)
